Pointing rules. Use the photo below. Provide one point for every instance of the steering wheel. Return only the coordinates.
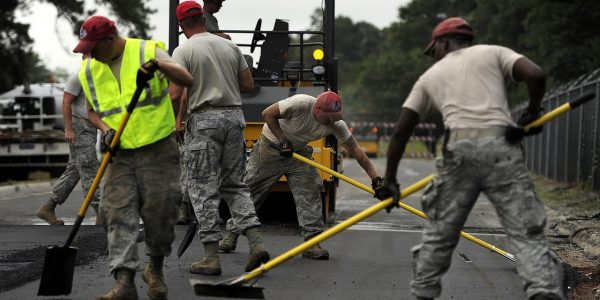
(257, 36)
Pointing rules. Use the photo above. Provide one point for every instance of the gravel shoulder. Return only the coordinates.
(573, 229)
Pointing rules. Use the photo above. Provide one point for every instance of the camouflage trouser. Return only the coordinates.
(496, 168)
(185, 198)
(266, 166)
(83, 163)
(141, 183)
(214, 146)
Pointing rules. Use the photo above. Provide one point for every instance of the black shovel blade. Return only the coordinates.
(59, 267)
(188, 238)
(207, 289)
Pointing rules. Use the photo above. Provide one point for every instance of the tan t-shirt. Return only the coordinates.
(468, 87)
(215, 63)
(300, 126)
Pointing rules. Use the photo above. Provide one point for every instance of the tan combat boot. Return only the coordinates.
(258, 254)
(46, 213)
(229, 242)
(210, 263)
(153, 276)
(316, 252)
(125, 287)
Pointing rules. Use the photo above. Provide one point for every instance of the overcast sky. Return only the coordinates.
(54, 42)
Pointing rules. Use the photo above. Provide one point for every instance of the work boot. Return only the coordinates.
(229, 242)
(124, 289)
(183, 215)
(258, 254)
(46, 213)
(209, 264)
(316, 252)
(153, 276)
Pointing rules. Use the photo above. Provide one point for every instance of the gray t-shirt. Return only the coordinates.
(300, 125)
(215, 64)
(468, 87)
(73, 87)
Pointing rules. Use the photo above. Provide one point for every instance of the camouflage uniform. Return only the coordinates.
(185, 198)
(144, 183)
(490, 165)
(215, 162)
(266, 166)
(83, 163)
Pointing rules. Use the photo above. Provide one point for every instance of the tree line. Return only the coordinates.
(380, 66)
(377, 67)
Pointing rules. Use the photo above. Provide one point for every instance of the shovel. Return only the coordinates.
(190, 233)
(59, 263)
(235, 288)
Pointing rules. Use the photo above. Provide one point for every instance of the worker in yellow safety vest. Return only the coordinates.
(142, 180)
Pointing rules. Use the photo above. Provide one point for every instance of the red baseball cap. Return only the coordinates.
(188, 9)
(93, 30)
(331, 104)
(448, 26)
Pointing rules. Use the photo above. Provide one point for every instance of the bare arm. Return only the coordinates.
(404, 127)
(246, 81)
(272, 115)
(175, 72)
(97, 121)
(534, 77)
(68, 116)
(360, 156)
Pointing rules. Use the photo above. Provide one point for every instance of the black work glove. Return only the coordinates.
(105, 141)
(377, 183)
(286, 149)
(527, 118)
(146, 72)
(514, 135)
(389, 189)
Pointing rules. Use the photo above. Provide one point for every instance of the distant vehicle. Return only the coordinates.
(32, 129)
(368, 135)
(286, 68)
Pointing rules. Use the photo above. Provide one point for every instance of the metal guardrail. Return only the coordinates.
(568, 150)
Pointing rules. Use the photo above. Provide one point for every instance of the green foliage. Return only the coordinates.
(560, 36)
(21, 65)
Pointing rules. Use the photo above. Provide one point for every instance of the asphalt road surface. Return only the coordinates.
(370, 260)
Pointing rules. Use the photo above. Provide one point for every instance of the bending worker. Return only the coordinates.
(482, 152)
(142, 180)
(291, 124)
(214, 143)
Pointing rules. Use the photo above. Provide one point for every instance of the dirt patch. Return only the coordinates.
(573, 230)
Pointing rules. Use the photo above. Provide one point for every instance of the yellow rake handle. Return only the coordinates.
(403, 205)
(333, 230)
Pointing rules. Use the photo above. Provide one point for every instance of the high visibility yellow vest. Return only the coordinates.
(153, 117)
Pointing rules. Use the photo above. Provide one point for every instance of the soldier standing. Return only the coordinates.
(214, 143)
(83, 162)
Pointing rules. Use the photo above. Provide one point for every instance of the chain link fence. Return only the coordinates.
(569, 147)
